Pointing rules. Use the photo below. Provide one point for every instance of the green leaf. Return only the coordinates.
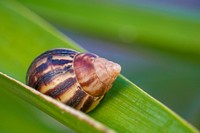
(130, 24)
(126, 108)
(68, 116)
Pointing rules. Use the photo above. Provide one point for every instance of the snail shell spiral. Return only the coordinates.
(79, 80)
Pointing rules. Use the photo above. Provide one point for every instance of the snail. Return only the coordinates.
(79, 80)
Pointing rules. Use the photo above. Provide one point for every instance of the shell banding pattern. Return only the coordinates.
(53, 73)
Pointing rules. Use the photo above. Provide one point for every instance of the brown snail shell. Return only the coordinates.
(79, 80)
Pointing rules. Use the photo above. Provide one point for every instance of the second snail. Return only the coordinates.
(79, 80)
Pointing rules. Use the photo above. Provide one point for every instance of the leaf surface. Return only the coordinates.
(23, 36)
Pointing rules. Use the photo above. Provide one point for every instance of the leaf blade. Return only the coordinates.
(122, 91)
(67, 115)
(157, 118)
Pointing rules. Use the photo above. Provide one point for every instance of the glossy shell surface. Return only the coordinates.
(79, 80)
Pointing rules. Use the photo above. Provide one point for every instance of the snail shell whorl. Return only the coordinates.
(95, 74)
(79, 80)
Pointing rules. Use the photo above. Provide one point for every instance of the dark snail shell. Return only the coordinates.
(79, 80)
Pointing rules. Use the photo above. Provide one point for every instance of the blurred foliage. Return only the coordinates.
(124, 23)
(172, 80)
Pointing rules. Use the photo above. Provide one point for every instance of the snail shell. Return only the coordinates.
(79, 80)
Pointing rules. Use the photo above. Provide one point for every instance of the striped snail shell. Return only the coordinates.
(79, 80)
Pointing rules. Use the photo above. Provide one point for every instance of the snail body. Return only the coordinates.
(79, 80)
